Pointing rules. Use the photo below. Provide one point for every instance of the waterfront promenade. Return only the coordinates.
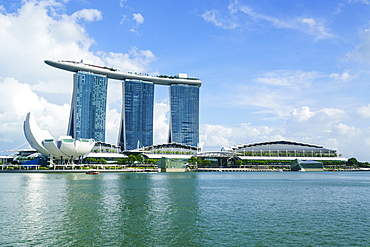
(142, 170)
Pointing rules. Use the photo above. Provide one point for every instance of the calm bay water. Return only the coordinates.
(186, 209)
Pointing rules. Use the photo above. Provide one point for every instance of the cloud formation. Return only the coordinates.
(41, 30)
(244, 16)
(213, 16)
(288, 78)
(362, 51)
(17, 100)
(325, 126)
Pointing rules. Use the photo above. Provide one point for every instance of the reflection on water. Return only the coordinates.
(30, 209)
(185, 209)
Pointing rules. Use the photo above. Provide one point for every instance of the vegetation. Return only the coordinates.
(198, 161)
(353, 162)
(171, 152)
(95, 161)
(136, 160)
(176, 77)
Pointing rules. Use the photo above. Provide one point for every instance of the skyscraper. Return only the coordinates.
(184, 114)
(137, 114)
(87, 119)
(88, 107)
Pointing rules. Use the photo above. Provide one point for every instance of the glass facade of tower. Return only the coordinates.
(184, 118)
(137, 115)
(88, 108)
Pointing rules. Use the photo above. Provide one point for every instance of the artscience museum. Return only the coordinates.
(64, 150)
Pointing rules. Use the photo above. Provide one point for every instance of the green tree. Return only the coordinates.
(151, 161)
(193, 160)
(206, 162)
(352, 162)
(131, 159)
(238, 162)
(121, 161)
(139, 158)
(90, 160)
(101, 161)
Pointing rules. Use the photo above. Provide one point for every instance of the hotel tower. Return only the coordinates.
(89, 99)
(88, 107)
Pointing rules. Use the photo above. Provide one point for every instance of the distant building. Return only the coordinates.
(172, 165)
(281, 149)
(137, 115)
(88, 107)
(184, 114)
(104, 147)
(306, 165)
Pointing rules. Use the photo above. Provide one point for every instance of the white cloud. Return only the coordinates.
(213, 16)
(123, 19)
(217, 136)
(161, 123)
(122, 3)
(315, 28)
(343, 77)
(326, 126)
(244, 16)
(112, 126)
(362, 52)
(305, 120)
(37, 32)
(302, 114)
(87, 15)
(17, 100)
(138, 18)
(135, 60)
(367, 2)
(364, 111)
(343, 3)
(318, 127)
(31, 35)
(287, 78)
(41, 30)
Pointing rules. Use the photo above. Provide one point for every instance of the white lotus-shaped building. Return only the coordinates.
(65, 148)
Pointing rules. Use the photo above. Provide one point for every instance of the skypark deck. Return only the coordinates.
(118, 75)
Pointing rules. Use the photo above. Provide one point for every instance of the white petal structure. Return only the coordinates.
(35, 135)
(64, 148)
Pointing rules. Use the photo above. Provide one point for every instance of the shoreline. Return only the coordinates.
(79, 171)
(158, 170)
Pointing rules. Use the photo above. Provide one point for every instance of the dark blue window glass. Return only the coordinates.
(184, 119)
(137, 115)
(88, 108)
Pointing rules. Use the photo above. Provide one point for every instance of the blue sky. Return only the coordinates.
(271, 70)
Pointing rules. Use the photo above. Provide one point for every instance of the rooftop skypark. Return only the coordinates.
(112, 73)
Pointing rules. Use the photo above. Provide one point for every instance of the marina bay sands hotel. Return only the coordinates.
(89, 99)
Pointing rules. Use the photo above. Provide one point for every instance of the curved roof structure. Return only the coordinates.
(64, 148)
(35, 135)
(171, 145)
(278, 146)
(118, 75)
(218, 154)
